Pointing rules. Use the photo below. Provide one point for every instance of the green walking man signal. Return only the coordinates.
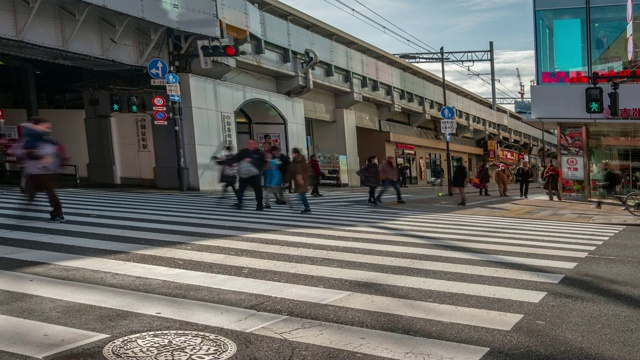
(595, 101)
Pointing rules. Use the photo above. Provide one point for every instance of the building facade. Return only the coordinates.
(576, 39)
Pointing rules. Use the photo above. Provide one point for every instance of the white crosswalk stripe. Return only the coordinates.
(470, 271)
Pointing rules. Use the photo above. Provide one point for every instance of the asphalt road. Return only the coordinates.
(348, 281)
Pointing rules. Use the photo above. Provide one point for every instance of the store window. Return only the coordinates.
(616, 148)
(561, 43)
(609, 40)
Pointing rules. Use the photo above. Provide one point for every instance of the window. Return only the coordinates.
(609, 37)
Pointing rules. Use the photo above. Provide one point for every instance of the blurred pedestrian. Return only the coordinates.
(551, 181)
(610, 181)
(273, 178)
(524, 175)
(317, 175)
(250, 163)
(484, 177)
(459, 180)
(283, 165)
(503, 178)
(300, 172)
(403, 173)
(370, 176)
(228, 173)
(389, 177)
(42, 156)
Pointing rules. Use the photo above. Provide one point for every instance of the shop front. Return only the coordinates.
(407, 161)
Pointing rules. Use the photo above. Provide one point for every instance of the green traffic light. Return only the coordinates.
(594, 107)
(134, 109)
(116, 107)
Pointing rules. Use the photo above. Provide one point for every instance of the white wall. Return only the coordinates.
(204, 101)
(131, 159)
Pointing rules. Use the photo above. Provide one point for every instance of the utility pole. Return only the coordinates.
(448, 136)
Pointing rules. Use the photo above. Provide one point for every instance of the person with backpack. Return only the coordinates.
(524, 176)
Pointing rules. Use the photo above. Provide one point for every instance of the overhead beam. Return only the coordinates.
(26, 25)
(77, 27)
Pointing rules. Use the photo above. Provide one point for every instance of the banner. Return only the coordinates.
(572, 167)
(491, 150)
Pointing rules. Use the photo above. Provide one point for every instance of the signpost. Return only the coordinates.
(157, 68)
(160, 117)
(448, 126)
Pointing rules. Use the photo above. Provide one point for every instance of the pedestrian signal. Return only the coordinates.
(114, 102)
(132, 103)
(595, 103)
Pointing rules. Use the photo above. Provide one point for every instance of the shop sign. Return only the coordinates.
(405, 146)
(625, 113)
(573, 167)
(143, 134)
(508, 155)
(521, 156)
(491, 150)
(582, 77)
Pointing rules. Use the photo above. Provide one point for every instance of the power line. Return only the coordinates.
(409, 42)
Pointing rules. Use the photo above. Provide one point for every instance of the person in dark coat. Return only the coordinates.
(459, 181)
(551, 181)
(228, 175)
(254, 157)
(484, 178)
(317, 175)
(370, 176)
(299, 173)
(524, 175)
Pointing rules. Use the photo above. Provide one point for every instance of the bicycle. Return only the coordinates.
(632, 203)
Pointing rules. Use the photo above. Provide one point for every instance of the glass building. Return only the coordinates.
(575, 39)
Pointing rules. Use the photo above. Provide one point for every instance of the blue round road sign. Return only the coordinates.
(157, 68)
(172, 78)
(447, 113)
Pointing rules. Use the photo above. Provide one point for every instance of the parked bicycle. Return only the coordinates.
(632, 203)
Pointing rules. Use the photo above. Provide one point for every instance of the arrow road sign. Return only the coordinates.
(172, 78)
(176, 98)
(157, 68)
(447, 113)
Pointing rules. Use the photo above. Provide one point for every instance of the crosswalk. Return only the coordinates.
(356, 280)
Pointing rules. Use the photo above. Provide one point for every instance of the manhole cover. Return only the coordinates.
(170, 345)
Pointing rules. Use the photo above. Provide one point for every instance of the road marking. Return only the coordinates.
(256, 225)
(372, 342)
(38, 339)
(140, 270)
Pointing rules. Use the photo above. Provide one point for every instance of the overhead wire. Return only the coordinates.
(421, 45)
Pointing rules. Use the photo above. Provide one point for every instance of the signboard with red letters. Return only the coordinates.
(572, 167)
(1, 115)
(405, 146)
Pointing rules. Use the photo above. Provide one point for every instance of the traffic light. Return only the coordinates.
(595, 101)
(114, 102)
(220, 50)
(614, 104)
(132, 103)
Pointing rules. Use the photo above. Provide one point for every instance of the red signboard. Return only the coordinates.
(1, 115)
(582, 77)
(509, 155)
(405, 146)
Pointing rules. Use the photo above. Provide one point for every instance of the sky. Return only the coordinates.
(458, 25)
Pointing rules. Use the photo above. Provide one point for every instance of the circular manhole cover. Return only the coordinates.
(170, 345)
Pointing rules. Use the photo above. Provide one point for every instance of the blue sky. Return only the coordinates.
(455, 24)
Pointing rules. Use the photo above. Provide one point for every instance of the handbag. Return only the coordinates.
(247, 170)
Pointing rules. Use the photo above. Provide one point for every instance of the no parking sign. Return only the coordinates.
(160, 117)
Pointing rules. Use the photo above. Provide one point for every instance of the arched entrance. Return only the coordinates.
(260, 120)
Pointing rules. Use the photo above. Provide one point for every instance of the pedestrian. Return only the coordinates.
(524, 175)
(273, 178)
(250, 163)
(42, 157)
(551, 180)
(484, 178)
(459, 180)
(403, 172)
(389, 177)
(370, 176)
(299, 172)
(317, 175)
(228, 173)
(610, 181)
(283, 165)
(440, 175)
(503, 178)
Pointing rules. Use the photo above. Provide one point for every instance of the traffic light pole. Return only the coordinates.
(176, 115)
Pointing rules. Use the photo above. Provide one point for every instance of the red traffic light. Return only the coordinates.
(230, 50)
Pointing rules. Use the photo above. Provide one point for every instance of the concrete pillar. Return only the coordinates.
(347, 142)
(30, 91)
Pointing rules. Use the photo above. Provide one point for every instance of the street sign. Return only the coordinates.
(448, 126)
(172, 78)
(160, 117)
(448, 137)
(157, 68)
(173, 89)
(175, 98)
(447, 112)
(158, 82)
(159, 108)
(158, 101)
